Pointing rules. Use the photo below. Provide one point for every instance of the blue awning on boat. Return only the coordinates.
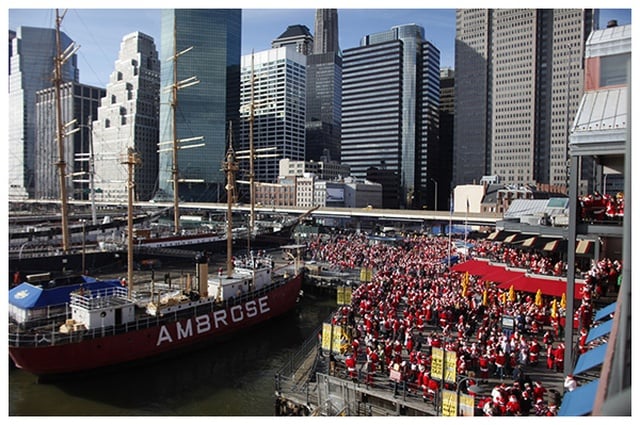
(599, 331)
(27, 296)
(579, 402)
(605, 311)
(590, 359)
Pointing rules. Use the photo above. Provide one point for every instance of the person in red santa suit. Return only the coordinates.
(372, 364)
(558, 356)
(350, 363)
(550, 357)
(582, 341)
(483, 362)
(534, 352)
(512, 407)
(538, 390)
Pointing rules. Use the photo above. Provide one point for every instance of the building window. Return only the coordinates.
(613, 70)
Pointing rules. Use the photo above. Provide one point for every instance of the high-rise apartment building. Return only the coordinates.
(276, 79)
(203, 110)
(324, 90)
(31, 68)
(128, 118)
(390, 100)
(519, 80)
(78, 102)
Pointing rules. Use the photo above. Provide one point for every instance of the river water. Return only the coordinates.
(234, 378)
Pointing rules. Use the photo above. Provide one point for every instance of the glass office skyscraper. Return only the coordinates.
(204, 109)
(390, 100)
(324, 90)
(30, 70)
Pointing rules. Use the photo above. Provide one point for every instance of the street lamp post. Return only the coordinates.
(473, 388)
(435, 195)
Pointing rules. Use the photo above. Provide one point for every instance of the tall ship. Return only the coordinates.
(115, 326)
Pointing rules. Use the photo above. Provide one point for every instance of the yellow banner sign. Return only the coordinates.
(466, 405)
(449, 403)
(335, 338)
(343, 295)
(437, 361)
(450, 362)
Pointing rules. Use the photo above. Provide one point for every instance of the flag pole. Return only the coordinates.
(450, 222)
(466, 219)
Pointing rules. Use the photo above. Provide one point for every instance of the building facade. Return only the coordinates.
(273, 95)
(440, 180)
(128, 118)
(79, 102)
(324, 90)
(390, 106)
(296, 36)
(31, 68)
(204, 110)
(518, 85)
(325, 170)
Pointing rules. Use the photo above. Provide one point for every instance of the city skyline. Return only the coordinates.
(99, 32)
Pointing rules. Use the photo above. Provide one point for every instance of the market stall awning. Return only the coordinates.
(551, 246)
(492, 236)
(599, 331)
(510, 238)
(579, 402)
(590, 359)
(529, 242)
(605, 311)
(549, 287)
(584, 247)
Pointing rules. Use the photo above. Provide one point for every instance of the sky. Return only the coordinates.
(99, 32)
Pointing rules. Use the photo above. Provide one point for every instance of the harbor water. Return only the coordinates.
(232, 378)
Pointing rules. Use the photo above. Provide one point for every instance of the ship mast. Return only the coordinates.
(252, 187)
(130, 161)
(174, 158)
(175, 142)
(230, 167)
(252, 154)
(60, 58)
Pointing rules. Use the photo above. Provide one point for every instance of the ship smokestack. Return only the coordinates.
(202, 274)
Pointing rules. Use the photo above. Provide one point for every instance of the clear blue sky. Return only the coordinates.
(100, 31)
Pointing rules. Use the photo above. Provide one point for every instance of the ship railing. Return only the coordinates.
(298, 374)
(89, 299)
(43, 316)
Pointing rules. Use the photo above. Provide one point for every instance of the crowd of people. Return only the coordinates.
(415, 303)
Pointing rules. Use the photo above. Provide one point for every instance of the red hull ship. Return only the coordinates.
(107, 329)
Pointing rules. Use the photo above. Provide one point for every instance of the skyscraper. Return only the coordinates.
(128, 117)
(390, 100)
(79, 102)
(30, 69)
(324, 90)
(297, 36)
(203, 110)
(518, 84)
(278, 86)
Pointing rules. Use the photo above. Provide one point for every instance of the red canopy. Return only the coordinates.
(501, 275)
(550, 287)
(475, 267)
(520, 281)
